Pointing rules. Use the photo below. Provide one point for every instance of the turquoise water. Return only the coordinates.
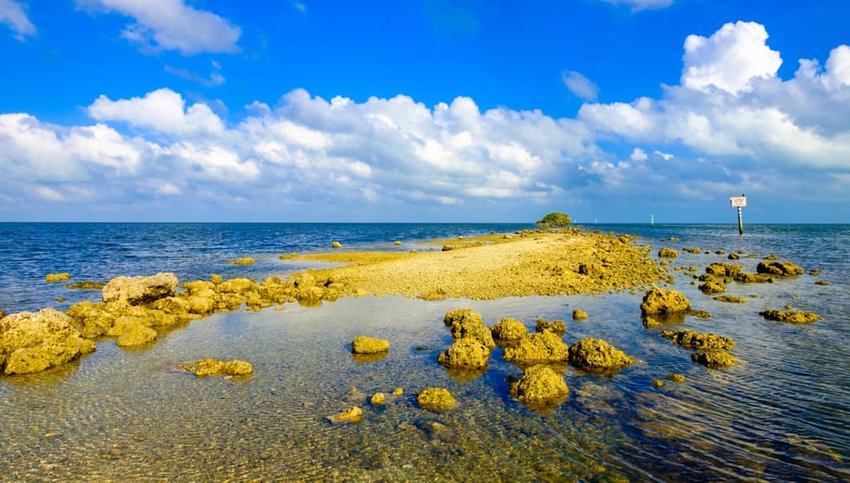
(781, 414)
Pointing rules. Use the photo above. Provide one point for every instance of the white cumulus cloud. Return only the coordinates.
(172, 25)
(162, 110)
(12, 14)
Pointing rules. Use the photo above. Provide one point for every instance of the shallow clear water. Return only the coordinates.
(781, 414)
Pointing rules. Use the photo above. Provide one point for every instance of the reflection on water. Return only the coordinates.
(780, 414)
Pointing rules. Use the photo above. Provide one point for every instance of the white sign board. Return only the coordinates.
(738, 201)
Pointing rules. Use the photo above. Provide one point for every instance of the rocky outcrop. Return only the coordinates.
(596, 355)
(538, 348)
(691, 339)
(465, 354)
(140, 290)
(57, 277)
(660, 302)
(32, 342)
(539, 387)
(369, 345)
(558, 327)
(215, 367)
(778, 268)
(509, 329)
(714, 358)
(791, 316)
(435, 399)
(719, 269)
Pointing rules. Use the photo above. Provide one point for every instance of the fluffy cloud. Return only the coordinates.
(13, 15)
(162, 110)
(730, 59)
(580, 85)
(172, 25)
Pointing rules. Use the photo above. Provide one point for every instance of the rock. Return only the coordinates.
(695, 340)
(597, 355)
(134, 334)
(720, 269)
(352, 415)
(57, 277)
(2, 314)
(790, 316)
(538, 348)
(822, 283)
(663, 302)
(236, 286)
(435, 399)
(695, 251)
(336, 244)
(734, 256)
(465, 354)
(213, 367)
(591, 270)
(398, 392)
(557, 327)
(32, 342)
(397, 243)
(745, 277)
(579, 314)
(378, 399)
(712, 288)
(509, 329)
(714, 358)
(657, 383)
(539, 386)
(242, 261)
(456, 317)
(140, 290)
(781, 269)
(369, 345)
(700, 314)
(816, 271)
(86, 285)
(720, 251)
(668, 253)
(676, 377)
(732, 299)
(216, 278)
(466, 323)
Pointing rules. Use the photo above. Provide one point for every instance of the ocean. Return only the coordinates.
(780, 414)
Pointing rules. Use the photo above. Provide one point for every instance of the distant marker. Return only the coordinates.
(739, 202)
(651, 219)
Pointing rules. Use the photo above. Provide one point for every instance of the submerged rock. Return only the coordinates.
(57, 277)
(691, 339)
(714, 358)
(790, 316)
(369, 345)
(214, 367)
(746, 277)
(140, 290)
(32, 342)
(658, 383)
(663, 302)
(509, 329)
(597, 355)
(732, 299)
(435, 399)
(86, 285)
(242, 261)
(539, 386)
(133, 332)
(734, 256)
(668, 253)
(378, 399)
(822, 283)
(351, 415)
(676, 377)
(579, 314)
(778, 268)
(557, 327)
(465, 354)
(538, 348)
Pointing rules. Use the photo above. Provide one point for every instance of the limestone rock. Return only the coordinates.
(714, 358)
(86, 285)
(237, 286)
(597, 355)
(140, 290)
(378, 399)
(676, 377)
(242, 261)
(778, 268)
(691, 339)
(32, 342)
(732, 299)
(746, 277)
(336, 244)
(214, 367)
(369, 345)
(538, 348)
(57, 277)
(509, 329)
(557, 327)
(540, 386)
(466, 323)
(662, 302)
(719, 269)
(579, 314)
(790, 316)
(465, 354)
(352, 415)
(712, 287)
(435, 399)
(134, 334)
(668, 253)
(456, 317)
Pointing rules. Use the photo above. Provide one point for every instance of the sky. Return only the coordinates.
(424, 110)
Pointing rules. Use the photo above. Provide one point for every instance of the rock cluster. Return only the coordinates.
(32, 342)
(214, 367)
(778, 268)
(539, 387)
(596, 355)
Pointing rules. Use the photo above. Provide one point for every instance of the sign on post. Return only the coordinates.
(738, 201)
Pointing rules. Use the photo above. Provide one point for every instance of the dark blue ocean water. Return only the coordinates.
(781, 414)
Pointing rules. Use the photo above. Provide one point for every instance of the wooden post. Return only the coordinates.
(740, 222)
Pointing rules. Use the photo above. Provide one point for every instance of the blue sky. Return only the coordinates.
(424, 110)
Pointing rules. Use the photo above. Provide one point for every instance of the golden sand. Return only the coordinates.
(494, 266)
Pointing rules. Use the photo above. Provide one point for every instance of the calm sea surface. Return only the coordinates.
(782, 413)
